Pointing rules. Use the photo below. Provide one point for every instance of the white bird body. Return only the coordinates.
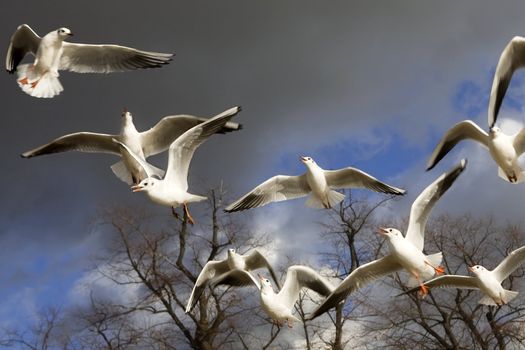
(131, 138)
(317, 182)
(410, 258)
(501, 148)
(49, 53)
(164, 193)
(236, 261)
(274, 306)
(489, 284)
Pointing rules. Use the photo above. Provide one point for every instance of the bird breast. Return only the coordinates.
(316, 180)
(270, 304)
(48, 55)
(489, 285)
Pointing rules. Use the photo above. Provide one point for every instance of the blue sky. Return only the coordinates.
(372, 85)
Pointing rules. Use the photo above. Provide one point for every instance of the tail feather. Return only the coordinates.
(331, 199)
(508, 295)
(35, 84)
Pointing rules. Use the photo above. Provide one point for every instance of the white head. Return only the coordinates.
(126, 116)
(266, 285)
(494, 131)
(145, 185)
(231, 252)
(63, 33)
(308, 161)
(390, 233)
(477, 269)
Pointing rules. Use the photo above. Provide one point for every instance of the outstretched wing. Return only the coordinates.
(24, 40)
(236, 278)
(255, 260)
(465, 129)
(361, 276)
(519, 142)
(275, 189)
(512, 58)
(355, 178)
(182, 149)
(509, 264)
(168, 129)
(80, 141)
(447, 281)
(85, 58)
(424, 203)
(298, 277)
(211, 270)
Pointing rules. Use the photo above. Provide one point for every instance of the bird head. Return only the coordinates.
(145, 185)
(63, 33)
(477, 269)
(265, 282)
(126, 115)
(390, 233)
(493, 131)
(231, 251)
(307, 160)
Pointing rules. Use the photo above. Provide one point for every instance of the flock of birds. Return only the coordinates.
(183, 134)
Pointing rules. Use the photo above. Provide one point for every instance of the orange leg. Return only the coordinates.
(290, 323)
(23, 81)
(33, 84)
(439, 270)
(186, 210)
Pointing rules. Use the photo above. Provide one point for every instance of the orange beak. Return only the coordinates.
(470, 268)
(383, 231)
(136, 188)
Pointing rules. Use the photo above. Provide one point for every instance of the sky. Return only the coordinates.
(370, 84)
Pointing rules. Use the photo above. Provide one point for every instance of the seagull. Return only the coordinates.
(511, 59)
(489, 282)
(405, 252)
(317, 181)
(172, 189)
(279, 305)
(504, 149)
(143, 144)
(233, 270)
(52, 53)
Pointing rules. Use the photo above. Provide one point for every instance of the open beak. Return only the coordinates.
(382, 230)
(302, 158)
(137, 188)
(470, 268)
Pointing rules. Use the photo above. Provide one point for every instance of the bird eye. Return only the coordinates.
(267, 281)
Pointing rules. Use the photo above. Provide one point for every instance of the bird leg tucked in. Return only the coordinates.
(187, 212)
(290, 322)
(24, 81)
(439, 270)
(175, 214)
(423, 290)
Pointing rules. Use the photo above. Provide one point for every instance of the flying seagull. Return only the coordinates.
(172, 189)
(143, 144)
(317, 181)
(234, 269)
(489, 282)
(279, 305)
(511, 59)
(504, 149)
(52, 53)
(405, 252)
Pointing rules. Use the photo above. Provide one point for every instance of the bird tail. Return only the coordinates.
(121, 171)
(36, 84)
(331, 199)
(506, 296)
